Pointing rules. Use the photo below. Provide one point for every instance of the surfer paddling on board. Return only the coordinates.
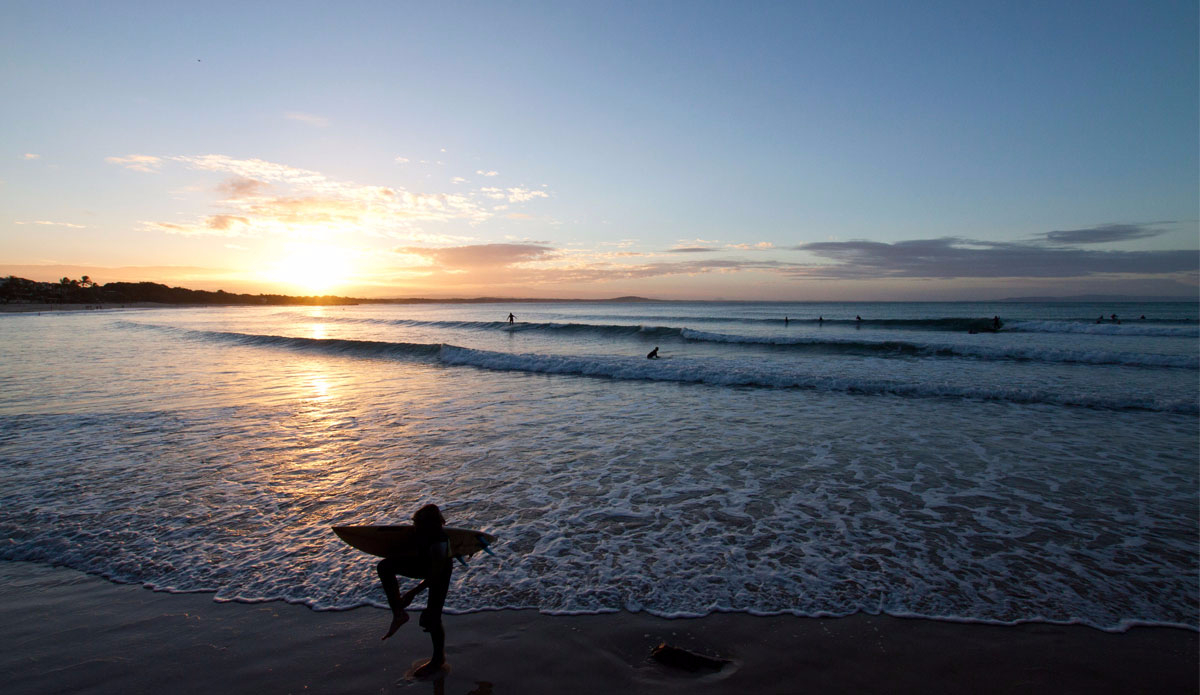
(433, 566)
(653, 354)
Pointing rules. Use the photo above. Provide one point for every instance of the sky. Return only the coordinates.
(801, 151)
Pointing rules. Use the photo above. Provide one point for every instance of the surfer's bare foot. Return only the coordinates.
(398, 618)
(429, 668)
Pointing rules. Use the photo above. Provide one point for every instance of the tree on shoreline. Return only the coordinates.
(86, 291)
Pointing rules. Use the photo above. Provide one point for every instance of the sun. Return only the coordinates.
(311, 269)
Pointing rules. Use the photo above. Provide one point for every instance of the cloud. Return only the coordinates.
(500, 265)
(481, 172)
(760, 246)
(954, 257)
(458, 179)
(607, 272)
(316, 121)
(481, 256)
(264, 198)
(30, 155)
(48, 223)
(241, 187)
(225, 223)
(258, 169)
(402, 160)
(137, 162)
(521, 195)
(1104, 234)
(692, 249)
(170, 228)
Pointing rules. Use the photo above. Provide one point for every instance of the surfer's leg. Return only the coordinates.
(431, 620)
(409, 595)
(387, 576)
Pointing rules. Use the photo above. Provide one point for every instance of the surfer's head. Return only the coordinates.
(428, 516)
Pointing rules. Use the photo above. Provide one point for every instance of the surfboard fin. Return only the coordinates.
(461, 560)
(484, 544)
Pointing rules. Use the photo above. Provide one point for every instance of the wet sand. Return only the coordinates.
(64, 631)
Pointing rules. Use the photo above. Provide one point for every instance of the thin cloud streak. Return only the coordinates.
(307, 118)
(955, 257)
(48, 223)
(1104, 234)
(536, 264)
(481, 256)
(145, 163)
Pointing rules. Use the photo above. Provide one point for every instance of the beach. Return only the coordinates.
(66, 631)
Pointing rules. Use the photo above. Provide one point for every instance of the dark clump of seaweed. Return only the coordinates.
(676, 657)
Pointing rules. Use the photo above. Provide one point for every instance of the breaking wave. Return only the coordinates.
(710, 371)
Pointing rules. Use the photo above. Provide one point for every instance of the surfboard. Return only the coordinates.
(401, 540)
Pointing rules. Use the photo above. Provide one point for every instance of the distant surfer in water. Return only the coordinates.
(653, 354)
(996, 323)
(432, 565)
(510, 318)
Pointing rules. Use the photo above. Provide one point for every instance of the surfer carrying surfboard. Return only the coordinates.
(432, 565)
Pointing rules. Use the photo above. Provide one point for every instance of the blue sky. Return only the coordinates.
(676, 150)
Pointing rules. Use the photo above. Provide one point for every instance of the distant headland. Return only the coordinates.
(84, 293)
(1102, 298)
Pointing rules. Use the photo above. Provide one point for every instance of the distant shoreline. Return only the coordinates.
(44, 307)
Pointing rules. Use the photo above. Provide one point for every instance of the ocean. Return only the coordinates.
(913, 462)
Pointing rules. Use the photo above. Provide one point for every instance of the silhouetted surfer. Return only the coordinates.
(653, 354)
(785, 320)
(433, 567)
(858, 318)
(820, 319)
(996, 323)
(510, 318)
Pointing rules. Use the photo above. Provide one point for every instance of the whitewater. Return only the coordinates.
(811, 459)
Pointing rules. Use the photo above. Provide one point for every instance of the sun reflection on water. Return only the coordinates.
(319, 387)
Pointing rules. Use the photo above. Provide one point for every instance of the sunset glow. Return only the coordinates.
(311, 269)
(792, 152)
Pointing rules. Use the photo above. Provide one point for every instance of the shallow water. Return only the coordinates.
(902, 465)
